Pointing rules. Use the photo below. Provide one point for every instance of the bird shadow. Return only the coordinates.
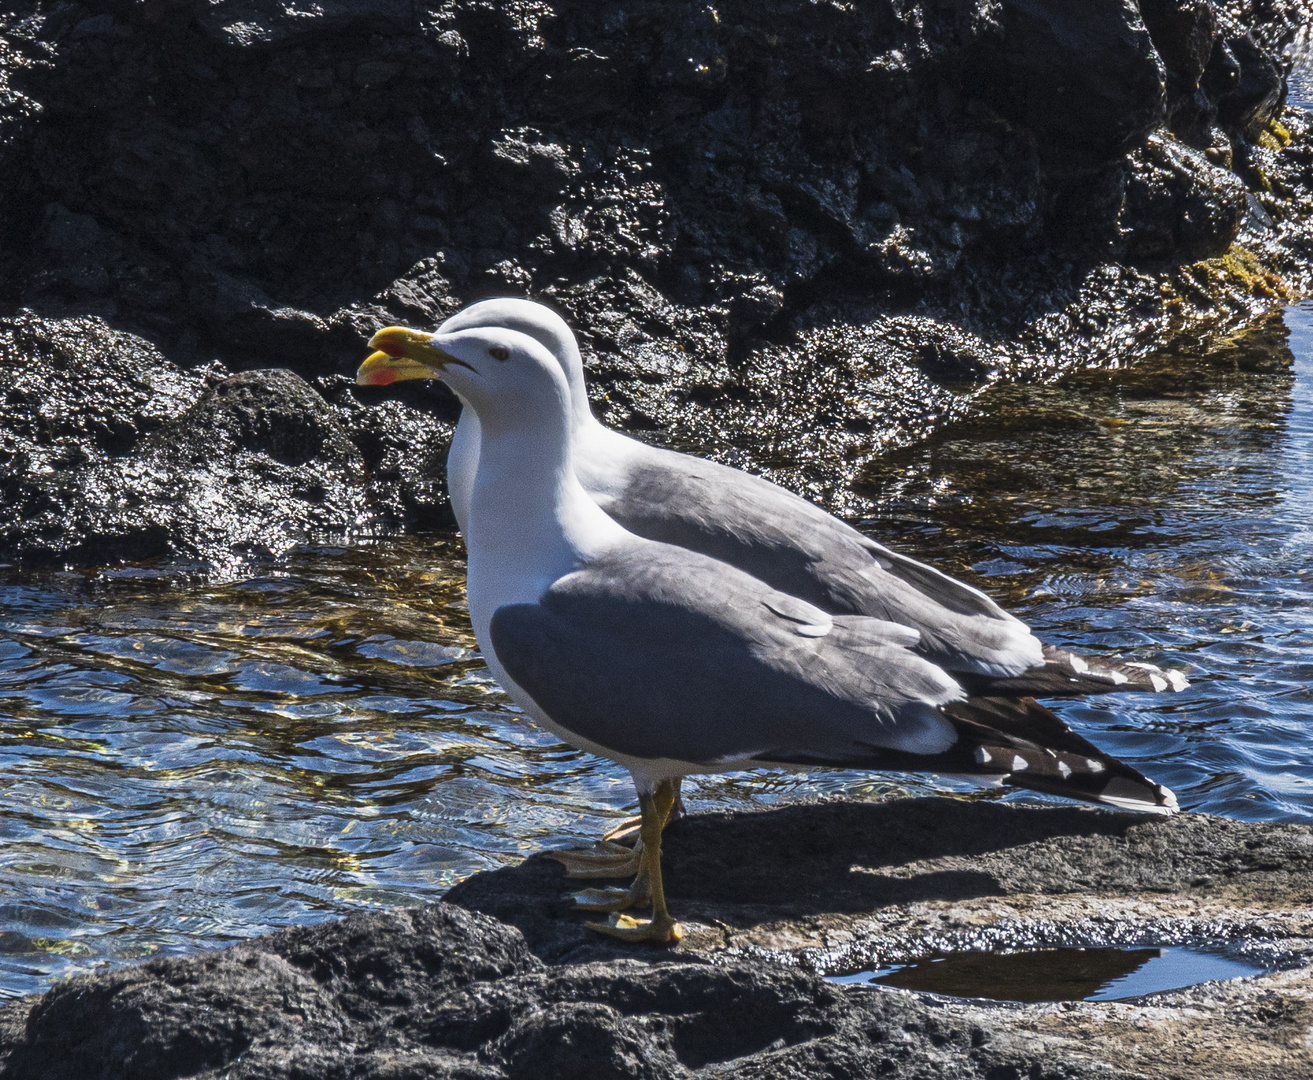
(851, 857)
(817, 859)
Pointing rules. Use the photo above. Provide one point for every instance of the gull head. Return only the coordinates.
(538, 322)
(501, 374)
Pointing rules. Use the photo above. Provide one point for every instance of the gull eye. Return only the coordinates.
(499, 352)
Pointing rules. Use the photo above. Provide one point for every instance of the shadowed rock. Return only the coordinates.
(798, 876)
(447, 992)
(766, 217)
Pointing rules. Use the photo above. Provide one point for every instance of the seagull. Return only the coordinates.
(775, 535)
(771, 533)
(671, 661)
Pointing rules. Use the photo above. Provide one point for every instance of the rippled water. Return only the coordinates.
(190, 762)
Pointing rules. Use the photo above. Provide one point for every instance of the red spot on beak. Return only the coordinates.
(382, 377)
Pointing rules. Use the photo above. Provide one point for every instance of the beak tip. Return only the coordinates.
(394, 339)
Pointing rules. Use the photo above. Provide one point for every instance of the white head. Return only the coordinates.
(540, 323)
(509, 379)
(524, 484)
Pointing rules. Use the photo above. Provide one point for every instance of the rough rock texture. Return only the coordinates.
(791, 234)
(110, 451)
(848, 882)
(448, 992)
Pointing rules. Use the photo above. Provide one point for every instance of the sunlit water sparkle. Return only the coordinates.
(190, 762)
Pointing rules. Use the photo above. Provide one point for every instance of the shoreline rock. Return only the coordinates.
(450, 990)
(791, 238)
(110, 452)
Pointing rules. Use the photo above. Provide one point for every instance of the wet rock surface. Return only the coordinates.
(846, 882)
(109, 451)
(500, 981)
(791, 236)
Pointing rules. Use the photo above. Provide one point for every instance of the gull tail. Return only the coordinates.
(1022, 743)
(1067, 674)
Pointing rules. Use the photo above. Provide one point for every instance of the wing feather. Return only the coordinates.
(655, 651)
(799, 549)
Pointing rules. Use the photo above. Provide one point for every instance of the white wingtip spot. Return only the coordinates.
(1094, 766)
(1078, 663)
(1179, 682)
(1064, 768)
(1128, 796)
(983, 756)
(1118, 678)
(1018, 763)
(1159, 683)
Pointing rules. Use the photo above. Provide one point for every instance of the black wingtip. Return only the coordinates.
(1025, 744)
(1068, 674)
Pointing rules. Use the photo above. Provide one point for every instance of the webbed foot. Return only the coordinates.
(603, 860)
(661, 929)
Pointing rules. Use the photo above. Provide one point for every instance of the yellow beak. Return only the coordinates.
(402, 354)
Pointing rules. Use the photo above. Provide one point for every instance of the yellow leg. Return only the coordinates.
(666, 798)
(661, 927)
(668, 789)
(608, 859)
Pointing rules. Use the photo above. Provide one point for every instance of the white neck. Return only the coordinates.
(581, 412)
(530, 522)
(463, 455)
(462, 465)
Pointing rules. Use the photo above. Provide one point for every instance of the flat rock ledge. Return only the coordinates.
(501, 980)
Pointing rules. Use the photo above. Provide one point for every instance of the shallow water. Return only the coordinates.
(191, 762)
(1058, 974)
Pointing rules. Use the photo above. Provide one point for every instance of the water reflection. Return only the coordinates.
(191, 761)
(1162, 512)
(1106, 974)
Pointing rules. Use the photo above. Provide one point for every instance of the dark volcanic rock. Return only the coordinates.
(447, 992)
(874, 876)
(719, 199)
(1258, 91)
(75, 395)
(256, 1012)
(404, 447)
(1084, 77)
(1179, 205)
(109, 451)
(292, 999)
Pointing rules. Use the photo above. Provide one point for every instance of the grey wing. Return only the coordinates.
(798, 548)
(659, 652)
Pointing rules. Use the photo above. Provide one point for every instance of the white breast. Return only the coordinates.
(462, 465)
